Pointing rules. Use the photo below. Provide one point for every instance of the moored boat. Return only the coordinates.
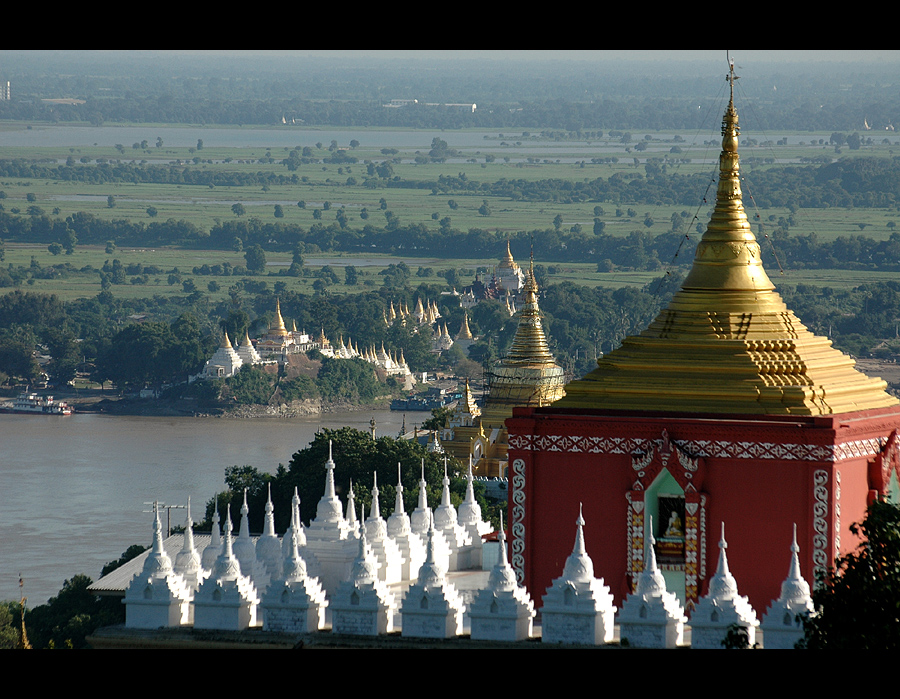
(33, 403)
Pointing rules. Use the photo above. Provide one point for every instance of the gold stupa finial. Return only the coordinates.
(728, 256)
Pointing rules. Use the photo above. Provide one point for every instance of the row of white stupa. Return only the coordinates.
(345, 566)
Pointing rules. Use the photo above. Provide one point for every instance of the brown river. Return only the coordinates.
(75, 488)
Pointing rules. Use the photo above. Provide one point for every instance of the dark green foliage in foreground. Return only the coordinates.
(858, 603)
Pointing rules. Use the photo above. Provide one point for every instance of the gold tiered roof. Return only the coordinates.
(727, 343)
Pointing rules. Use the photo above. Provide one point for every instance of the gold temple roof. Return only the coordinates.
(727, 343)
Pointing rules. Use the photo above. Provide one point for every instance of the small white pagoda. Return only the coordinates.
(187, 561)
(445, 521)
(363, 605)
(294, 602)
(578, 608)
(387, 552)
(412, 548)
(432, 608)
(652, 617)
(227, 599)
(721, 608)
(503, 611)
(470, 519)
(157, 596)
(782, 624)
(329, 537)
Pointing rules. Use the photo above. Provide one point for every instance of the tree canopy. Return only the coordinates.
(857, 604)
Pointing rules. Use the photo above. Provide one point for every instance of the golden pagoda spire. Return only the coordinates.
(727, 343)
(464, 332)
(278, 329)
(226, 343)
(728, 256)
(529, 345)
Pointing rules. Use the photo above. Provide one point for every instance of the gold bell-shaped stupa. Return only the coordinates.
(727, 343)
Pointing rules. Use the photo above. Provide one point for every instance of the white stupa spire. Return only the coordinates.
(375, 512)
(579, 566)
(652, 617)
(782, 623)
(503, 611)
(651, 580)
(351, 509)
(722, 585)
(158, 561)
(721, 608)
(211, 552)
(578, 608)
(329, 508)
(227, 566)
(398, 500)
(187, 561)
(243, 547)
(268, 548)
(423, 495)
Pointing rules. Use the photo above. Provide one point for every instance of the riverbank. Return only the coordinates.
(96, 401)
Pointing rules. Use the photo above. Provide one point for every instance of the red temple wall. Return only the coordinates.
(759, 498)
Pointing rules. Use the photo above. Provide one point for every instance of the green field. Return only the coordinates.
(529, 158)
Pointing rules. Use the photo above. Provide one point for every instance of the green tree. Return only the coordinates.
(256, 259)
(111, 201)
(279, 211)
(238, 209)
(152, 211)
(857, 604)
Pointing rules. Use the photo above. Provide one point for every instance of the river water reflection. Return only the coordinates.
(74, 487)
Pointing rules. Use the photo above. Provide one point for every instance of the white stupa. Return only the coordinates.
(503, 611)
(782, 624)
(294, 602)
(470, 519)
(652, 617)
(247, 352)
(227, 599)
(244, 549)
(187, 561)
(578, 608)
(329, 536)
(157, 596)
(420, 523)
(412, 548)
(269, 561)
(432, 608)
(224, 363)
(297, 531)
(721, 608)
(352, 521)
(214, 548)
(387, 552)
(445, 521)
(362, 604)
